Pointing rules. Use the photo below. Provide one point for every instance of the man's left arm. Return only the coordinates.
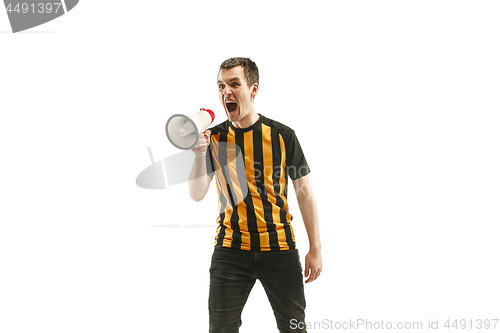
(309, 212)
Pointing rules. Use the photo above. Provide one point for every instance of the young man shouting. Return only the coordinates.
(255, 239)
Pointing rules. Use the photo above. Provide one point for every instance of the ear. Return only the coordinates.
(254, 90)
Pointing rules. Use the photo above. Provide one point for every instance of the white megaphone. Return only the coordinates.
(183, 131)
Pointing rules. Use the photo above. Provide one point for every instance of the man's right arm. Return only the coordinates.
(199, 180)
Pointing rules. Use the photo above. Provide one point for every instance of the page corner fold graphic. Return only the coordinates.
(26, 14)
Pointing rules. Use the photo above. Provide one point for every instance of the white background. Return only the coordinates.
(395, 104)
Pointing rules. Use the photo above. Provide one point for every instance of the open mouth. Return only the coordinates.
(231, 106)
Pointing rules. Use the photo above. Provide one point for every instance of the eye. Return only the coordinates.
(221, 86)
(234, 85)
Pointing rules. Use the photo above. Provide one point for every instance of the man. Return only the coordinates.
(254, 239)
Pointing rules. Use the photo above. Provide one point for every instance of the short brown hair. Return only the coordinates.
(250, 68)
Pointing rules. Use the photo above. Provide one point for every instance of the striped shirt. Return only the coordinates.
(251, 167)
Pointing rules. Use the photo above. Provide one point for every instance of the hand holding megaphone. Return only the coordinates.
(203, 142)
(183, 131)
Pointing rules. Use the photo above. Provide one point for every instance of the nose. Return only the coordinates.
(226, 91)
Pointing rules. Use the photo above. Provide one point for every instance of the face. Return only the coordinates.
(235, 94)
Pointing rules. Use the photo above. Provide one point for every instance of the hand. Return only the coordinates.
(314, 265)
(203, 142)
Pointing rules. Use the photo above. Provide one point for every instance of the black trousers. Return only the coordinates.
(233, 274)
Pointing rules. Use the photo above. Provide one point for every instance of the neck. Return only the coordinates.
(247, 121)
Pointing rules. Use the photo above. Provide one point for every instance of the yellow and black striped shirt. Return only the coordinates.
(251, 167)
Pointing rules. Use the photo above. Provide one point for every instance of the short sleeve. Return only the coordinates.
(209, 159)
(296, 163)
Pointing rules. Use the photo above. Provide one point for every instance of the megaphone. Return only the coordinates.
(183, 131)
